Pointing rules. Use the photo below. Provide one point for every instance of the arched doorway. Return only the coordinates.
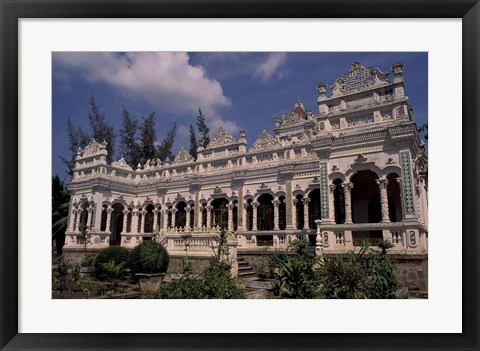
(265, 212)
(103, 221)
(366, 206)
(299, 211)
(249, 215)
(235, 215)
(116, 224)
(313, 208)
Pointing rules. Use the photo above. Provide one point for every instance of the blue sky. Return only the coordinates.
(234, 89)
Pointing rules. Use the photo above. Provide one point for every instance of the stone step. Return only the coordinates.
(246, 274)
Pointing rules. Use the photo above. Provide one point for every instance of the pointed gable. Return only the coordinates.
(183, 157)
(221, 138)
(264, 142)
(358, 78)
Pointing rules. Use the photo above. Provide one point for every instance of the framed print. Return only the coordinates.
(363, 99)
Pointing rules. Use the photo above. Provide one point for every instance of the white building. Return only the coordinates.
(355, 170)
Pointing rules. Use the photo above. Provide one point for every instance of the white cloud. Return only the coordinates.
(165, 80)
(271, 67)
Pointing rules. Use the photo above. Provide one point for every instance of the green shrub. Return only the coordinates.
(367, 274)
(149, 257)
(296, 277)
(117, 254)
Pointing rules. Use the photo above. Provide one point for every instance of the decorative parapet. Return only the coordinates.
(358, 78)
(121, 164)
(183, 157)
(264, 141)
(221, 138)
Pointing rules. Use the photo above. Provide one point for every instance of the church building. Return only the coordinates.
(355, 170)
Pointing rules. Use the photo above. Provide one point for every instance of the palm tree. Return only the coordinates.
(60, 206)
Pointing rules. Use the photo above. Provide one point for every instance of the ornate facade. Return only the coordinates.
(355, 170)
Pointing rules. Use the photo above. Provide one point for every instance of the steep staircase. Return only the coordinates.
(245, 271)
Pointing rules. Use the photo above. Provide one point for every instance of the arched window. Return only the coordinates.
(204, 215)
(129, 220)
(313, 208)
(116, 223)
(181, 215)
(148, 226)
(282, 213)
(103, 221)
(235, 215)
(220, 213)
(339, 201)
(265, 212)
(169, 217)
(299, 211)
(249, 216)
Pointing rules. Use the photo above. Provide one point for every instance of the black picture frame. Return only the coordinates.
(12, 11)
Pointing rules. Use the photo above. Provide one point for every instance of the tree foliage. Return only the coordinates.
(193, 143)
(148, 138)
(203, 129)
(129, 147)
(164, 151)
(101, 129)
(60, 206)
(76, 139)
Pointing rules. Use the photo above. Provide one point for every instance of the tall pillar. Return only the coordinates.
(244, 215)
(188, 209)
(109, 219)
(200, 216)
(382, 184)
(331, 199)
(125, 219)
(209, 217)
(306, 221)
(155, 219)
(89, 218)
(254, 220)
(289, 209)
(399, 181)
(73, 220)
(134, 226)
(276, 216)
(174, 211)
(230, 217)
(294, 213)
(347, 187)
(142, 222)
(165, 218)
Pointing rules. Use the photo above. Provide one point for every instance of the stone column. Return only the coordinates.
(230, 217)
(109, 219)
(382, 184)
(174, 211)
(276, 216)
(254, 220)
(89, 218)
(294, 213)
(155, 219)
(142, 222)
(200, 216)
(125, 218)
(331, 199)
(73, 220)
(347, 187)
(134, 225)
(165, 218)
(306, 224)
(209, 217)
(244, 215)
(188, 209)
